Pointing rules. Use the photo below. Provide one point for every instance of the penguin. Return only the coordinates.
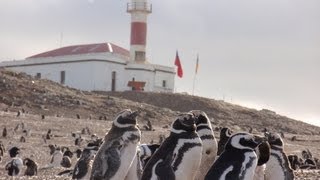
(65, 162)
(119, 148)
(278, 167)
(78, 153)
(2, 150)
(82, 169)
(225, 134)
(32, 167)
(146, 151)
(209, 143)
(238, 160)
(14, 166)
(4, 132)
(263, 154)
(182, 150)
(294, 161)
(56, 158)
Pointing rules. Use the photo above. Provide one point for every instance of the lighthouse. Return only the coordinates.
(139, 10)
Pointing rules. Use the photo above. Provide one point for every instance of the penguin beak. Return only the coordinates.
(258, 139)
(134, 114)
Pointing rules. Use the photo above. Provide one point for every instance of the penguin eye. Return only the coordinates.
(208, 151)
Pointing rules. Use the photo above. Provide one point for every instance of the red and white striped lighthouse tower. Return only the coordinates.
(139, 10)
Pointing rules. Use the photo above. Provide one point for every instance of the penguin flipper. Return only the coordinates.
(164, 170)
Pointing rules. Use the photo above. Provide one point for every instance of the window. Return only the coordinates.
(38, 75)
(140, 56)
(164, 83)
(62, 77)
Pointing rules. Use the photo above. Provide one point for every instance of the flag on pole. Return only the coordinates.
(197, 64)
(178, 64)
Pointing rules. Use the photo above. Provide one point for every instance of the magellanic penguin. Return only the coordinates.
(146, 151)
(82, 169)
(225, 134)
(56, 158)
(238, 160)
(278, 167)
(263, 154)
(209, 143)
(119, 148)
(14, 166)
(32, 167)
(179, 156)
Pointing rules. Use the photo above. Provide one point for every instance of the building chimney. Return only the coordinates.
(139, 10)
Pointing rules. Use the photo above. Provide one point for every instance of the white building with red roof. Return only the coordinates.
(103, 66)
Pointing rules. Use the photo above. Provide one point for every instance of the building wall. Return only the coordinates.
(94, 72)
(140, 75)
(102, 76)
(161, 76)
(77, 74)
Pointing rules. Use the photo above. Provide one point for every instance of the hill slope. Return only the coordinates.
(38, 96)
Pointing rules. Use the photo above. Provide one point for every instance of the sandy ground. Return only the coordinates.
(38, 150)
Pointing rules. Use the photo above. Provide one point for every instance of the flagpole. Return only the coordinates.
(195, 74)
(194, 82)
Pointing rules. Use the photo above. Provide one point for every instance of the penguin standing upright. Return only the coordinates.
(32, 167)
(209, 143)
(225, 134)
(238, 160)
(146, 151)
(119, 148)
(263, 154)
(182, 150)
(278, 167)
(56, 157)
(14, 167)
(82, 169)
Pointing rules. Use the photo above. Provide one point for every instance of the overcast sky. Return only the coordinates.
(260, 54)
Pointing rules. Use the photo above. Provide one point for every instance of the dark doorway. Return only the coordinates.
(113, 81)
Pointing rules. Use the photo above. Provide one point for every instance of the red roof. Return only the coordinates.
(84, 49)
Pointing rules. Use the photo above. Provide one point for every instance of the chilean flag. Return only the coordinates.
(178, 64)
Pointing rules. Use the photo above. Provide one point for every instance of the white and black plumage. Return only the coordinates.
(278, 167)
(209, 143)
(119, 148)
(2, 150)
(238, 160)
(263, 154)
(82, 169)
(56, 158)
(78, 153)
(32, 167)
(294, 161)
(182, 150)
(146, 151)
(14, 166)
(225, 134)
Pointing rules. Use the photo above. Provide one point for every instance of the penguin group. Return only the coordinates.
(190, 152)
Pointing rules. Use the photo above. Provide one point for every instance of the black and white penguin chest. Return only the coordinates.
(117, 152)
(187, 156)
(238, 161)
(278, 168)
(237, 164)
(179, 155)
(14, 167)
